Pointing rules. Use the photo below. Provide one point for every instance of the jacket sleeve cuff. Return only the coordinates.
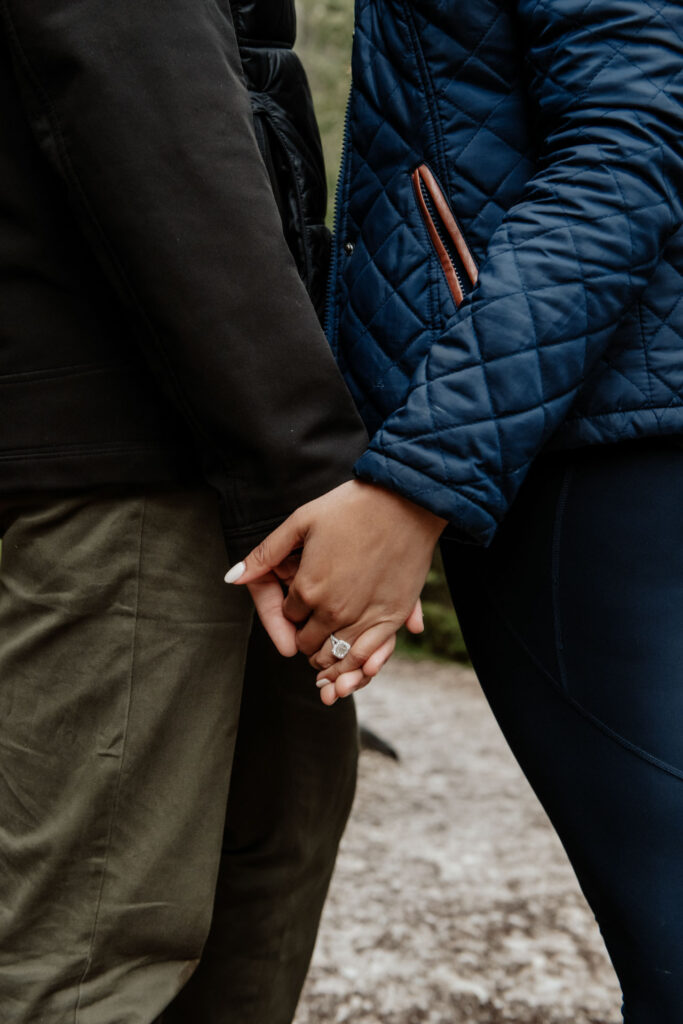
(469, 521)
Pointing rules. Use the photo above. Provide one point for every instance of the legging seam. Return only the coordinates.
(117, 791)
(583, 711)
(560, 509)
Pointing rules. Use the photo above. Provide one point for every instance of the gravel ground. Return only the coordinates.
(452, 902)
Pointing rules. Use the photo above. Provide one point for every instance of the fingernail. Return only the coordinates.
(232, 575)
(322, 682)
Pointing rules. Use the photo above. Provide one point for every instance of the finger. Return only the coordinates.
(295, 607)
(380, 657)
(348, 682)
(371, 667)
(328, 694)
(363, 647)
(346, 688)
(347, 678)
(324, 658)
(287, 570)
(268, 597)
(415, 622)
(315, 635)
(272, 551)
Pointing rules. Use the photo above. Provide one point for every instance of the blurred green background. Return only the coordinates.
(324, 34)
(325, 29)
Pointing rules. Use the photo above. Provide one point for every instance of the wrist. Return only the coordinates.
(429, 522)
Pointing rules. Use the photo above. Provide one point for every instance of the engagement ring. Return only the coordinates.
(340, 648)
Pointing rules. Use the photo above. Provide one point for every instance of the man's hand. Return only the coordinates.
(364, 555)
(335, 682)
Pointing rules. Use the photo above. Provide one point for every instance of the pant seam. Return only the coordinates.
(583, 711)
(117, 791)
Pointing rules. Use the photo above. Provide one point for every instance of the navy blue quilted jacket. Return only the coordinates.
(534, 147)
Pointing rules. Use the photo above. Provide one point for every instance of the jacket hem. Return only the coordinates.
(77, 467)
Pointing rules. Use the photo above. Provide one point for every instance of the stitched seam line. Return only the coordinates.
(617, 51)
(560, 509)
(59, 372)
(669, 769)
(65, 451)
(589, 417)
(430, 95)
(117, 792)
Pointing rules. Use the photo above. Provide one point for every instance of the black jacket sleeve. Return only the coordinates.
(141, 108)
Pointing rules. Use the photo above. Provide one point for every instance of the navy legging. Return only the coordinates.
(574, 622)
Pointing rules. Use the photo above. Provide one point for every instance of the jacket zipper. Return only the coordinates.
(330, 309)
(444, 231)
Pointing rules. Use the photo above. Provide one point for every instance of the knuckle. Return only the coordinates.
(351, 662)
(305, 592)
(362, 650)
(306, 646)
(260, 554)
(336, 612)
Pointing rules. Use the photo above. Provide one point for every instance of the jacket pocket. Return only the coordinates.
(444, 232)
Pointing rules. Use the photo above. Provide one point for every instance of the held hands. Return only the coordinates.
(354, 562)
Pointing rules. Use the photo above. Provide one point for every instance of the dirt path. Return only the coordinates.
(452, 901)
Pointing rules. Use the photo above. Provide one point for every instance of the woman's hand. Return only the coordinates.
(335, 682)
(268, 597)
(364, 556)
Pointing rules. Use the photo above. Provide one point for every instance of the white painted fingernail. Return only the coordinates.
(322, 682)
(232, 575)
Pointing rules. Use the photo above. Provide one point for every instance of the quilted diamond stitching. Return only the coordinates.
(509, 467)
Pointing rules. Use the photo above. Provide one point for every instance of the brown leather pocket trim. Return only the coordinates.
(443, 228)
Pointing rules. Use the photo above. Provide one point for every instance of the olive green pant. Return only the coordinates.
(122, 713)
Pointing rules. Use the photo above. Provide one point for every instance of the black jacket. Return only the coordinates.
(152, 319)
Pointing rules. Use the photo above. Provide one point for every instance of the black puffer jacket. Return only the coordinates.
(287, 133)
(152, 320)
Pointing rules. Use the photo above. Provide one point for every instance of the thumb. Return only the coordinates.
(415, 621)
(276, 547)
